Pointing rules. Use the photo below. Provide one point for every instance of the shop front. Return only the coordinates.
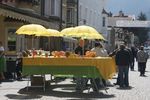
(11, 18)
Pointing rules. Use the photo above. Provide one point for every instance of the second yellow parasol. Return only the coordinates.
(31, 29)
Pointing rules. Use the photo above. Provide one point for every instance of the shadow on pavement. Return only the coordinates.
(125, 88)
(6, 80)
(14, 96)
(65, 90)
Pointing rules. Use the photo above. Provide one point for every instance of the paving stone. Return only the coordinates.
(65, 90)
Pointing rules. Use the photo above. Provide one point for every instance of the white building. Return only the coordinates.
(90, 13)
(122, 25)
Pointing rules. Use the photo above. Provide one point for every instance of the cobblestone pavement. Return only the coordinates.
(65, 90)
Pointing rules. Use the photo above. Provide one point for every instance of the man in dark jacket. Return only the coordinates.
(123, 61)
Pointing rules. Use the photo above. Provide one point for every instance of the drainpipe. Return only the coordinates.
(77, 12)
(60, 24)
(42, 7)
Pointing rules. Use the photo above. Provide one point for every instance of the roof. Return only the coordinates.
(135, 23)
(25, 15)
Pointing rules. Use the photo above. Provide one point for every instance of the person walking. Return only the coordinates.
(113, 54)
(2, 62)
(134, 53)
(123, 62)
(142, 57)
(100, 52)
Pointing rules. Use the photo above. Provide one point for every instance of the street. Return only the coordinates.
(65, 90)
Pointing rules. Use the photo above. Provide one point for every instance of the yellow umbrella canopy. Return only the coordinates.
(54, 33)
(86, 32)
(51, 33)
(68, 32)
(31, 29)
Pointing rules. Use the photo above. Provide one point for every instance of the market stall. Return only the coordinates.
(78, 67)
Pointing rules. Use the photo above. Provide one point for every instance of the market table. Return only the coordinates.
(90, 67)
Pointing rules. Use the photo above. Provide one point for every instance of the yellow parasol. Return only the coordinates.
(68, 32)
(51, 33)
(86, 32)
(31, 29)
(54, 33)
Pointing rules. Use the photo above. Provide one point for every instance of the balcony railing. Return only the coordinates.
(34, 2)
(72, 2)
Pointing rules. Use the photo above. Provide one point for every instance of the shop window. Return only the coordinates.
(11, 40)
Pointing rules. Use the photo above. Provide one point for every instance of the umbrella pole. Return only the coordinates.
(32, 41)
(83, 47)
(49, 43)
(25, 42)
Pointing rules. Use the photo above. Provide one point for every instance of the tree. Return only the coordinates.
(141, 33)
(142, 17)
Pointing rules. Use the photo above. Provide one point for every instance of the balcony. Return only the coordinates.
(14, 2)
(72, 2)
(33, 2)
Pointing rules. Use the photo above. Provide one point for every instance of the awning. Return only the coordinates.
(22, 17)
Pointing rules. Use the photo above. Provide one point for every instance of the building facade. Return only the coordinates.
(69, 14)
(119, 28)
(15, 13)
(90, 13)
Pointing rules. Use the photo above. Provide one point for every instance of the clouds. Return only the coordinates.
(128, 6)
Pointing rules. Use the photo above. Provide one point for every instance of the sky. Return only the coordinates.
(132, 7)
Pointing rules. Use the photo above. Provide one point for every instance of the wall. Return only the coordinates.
(91, 11)
(2, 30)
(48, 8)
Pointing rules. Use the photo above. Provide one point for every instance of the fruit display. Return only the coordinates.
(67, 54)
(64, 54)
(90, 54)
(34, 53)
(58, 53)
(73, 55)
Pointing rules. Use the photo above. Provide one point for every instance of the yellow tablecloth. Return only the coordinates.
(105, 65)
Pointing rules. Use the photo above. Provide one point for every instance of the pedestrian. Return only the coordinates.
(131, 55)
(142, 57)
(79, 50)
(134, 53)
(19, 65)
(100, 52)
(2, 61)
(123, 61)
(80, 81)
(113, 54)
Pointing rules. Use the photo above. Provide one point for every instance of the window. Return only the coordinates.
(86, 10)
(11, 39)
(52, 7)
(80, 12)
(104, 21)
(70, 15)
